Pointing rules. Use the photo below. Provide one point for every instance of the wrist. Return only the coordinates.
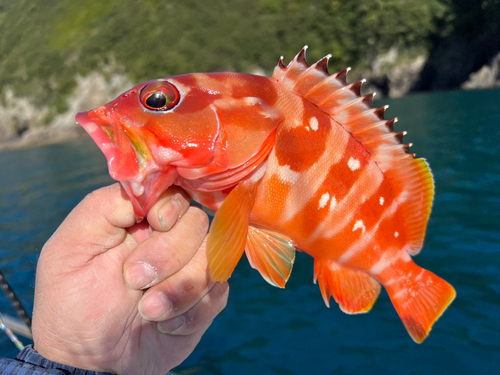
(60, 350)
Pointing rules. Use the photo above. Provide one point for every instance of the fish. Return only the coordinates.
(299, 161)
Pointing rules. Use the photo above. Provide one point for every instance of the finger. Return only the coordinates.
(100, 218)
(140, 231)
(180, 292)
(165, 253)
(167, 210)
(200, 316)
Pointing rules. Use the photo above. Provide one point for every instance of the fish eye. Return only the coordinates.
(159, 96)
(156, 100)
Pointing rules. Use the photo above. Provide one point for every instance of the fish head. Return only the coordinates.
(150, 131)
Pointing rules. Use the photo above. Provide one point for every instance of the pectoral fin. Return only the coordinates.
(272, 254)
(228, 233)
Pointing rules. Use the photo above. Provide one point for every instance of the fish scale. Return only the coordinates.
(299, 161)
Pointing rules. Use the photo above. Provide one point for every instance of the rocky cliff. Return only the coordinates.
(22, 124)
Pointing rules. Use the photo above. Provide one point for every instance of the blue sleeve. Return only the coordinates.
(29, 362)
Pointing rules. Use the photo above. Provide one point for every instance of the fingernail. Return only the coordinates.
(155, 305)
(140, 275)
(167, 216)
(172, 326)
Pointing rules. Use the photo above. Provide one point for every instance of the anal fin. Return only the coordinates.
(228, 233)
(272, 254)
(354, 291)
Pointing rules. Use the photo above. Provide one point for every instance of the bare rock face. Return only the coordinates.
(391, 75)
(486, 77)
(18, 116)
(403, 77)
(22, 124)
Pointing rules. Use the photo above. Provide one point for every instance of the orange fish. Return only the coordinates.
(296, 161)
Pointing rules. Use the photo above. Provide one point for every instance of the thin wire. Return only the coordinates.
(14, 300)
(11, 335)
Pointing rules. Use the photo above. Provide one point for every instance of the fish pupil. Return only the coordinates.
(157, 100)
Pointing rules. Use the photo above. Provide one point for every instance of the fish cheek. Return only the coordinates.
(192, 136)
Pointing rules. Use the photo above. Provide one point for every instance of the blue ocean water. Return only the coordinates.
(265, 330)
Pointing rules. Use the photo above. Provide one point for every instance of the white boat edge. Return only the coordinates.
(16, 325)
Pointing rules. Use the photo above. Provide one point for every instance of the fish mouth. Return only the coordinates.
(142, 179)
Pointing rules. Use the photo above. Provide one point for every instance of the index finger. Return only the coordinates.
(165, 253)
(168, 209)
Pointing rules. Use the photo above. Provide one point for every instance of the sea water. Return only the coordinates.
(265, 330)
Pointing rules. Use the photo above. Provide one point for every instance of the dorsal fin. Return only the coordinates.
(410, 178)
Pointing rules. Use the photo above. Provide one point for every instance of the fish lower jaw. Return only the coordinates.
(136, 187)
(145, 190)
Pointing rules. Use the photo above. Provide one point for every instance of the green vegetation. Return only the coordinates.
(44, 44)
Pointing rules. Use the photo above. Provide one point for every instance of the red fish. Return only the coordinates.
(296, 161)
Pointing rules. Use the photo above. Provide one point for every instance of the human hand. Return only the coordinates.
(96, 309)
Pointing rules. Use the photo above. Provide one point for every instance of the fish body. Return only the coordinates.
(295, 161)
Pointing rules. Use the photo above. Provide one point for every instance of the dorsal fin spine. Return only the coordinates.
(398, 136)
(301, 56)
(370, 126)
(342, 75)
(280, 63)
(352, 102)
(379, 112)
(356, 87)
(390, 123)
(321, 84)
(391, 148)
(322, 65)
(368, 99)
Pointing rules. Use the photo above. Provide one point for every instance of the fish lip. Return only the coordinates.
(142, 185)
(123, 163)
(99, 136)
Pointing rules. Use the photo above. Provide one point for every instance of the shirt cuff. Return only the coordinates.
(31, 356)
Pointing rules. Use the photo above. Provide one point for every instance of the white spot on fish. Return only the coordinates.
(381, 201)
(353, 164)
(324, 200)
(396, 234)
(333, 203)
(359, 224)
(251, 100)
(313, 122)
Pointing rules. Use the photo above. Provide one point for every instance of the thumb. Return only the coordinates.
(96, 224)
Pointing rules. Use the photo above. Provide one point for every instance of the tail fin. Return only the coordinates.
(420, 297)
